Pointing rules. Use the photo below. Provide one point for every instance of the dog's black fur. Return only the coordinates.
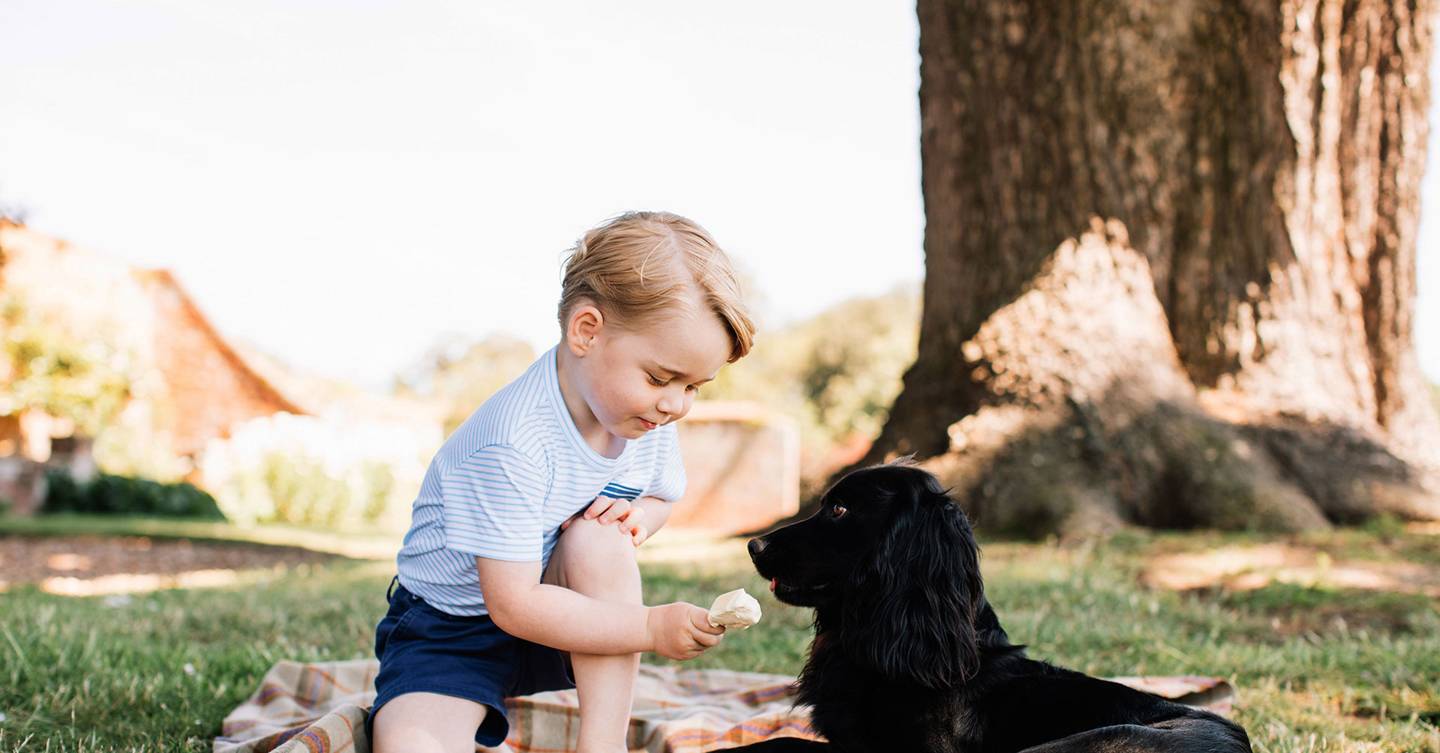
(908, 656)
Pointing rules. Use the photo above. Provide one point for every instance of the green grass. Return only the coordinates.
(1315, 669)
(76, 674)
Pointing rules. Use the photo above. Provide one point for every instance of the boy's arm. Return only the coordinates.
(541, 613)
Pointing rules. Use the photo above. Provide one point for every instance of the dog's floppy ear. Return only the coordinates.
(910, 606)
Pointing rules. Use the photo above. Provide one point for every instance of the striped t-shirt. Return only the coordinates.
(502, 484)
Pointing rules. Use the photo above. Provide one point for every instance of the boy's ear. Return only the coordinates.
(585, 324)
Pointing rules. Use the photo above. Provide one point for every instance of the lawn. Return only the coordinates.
(1316, 668)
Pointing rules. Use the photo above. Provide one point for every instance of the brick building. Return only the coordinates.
(188, 379)
(210, 387)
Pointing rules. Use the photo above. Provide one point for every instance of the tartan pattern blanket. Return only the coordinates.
(321, 707)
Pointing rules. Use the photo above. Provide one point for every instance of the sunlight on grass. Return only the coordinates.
(132, 583)
(356, 545)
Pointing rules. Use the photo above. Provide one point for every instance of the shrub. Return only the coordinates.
(125, 495)
(315, 471)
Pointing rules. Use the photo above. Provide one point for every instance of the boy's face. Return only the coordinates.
(638, 379)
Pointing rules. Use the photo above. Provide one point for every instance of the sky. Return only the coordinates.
(345, 183)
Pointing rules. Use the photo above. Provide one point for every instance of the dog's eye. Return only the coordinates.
(838, 511)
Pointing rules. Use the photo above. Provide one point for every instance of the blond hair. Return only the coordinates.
(642, 264)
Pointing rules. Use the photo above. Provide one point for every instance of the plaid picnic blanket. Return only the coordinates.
(321, 707)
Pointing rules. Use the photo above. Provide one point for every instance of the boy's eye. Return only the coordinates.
(655, 380)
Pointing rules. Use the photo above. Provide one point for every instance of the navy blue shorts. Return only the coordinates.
(422, 649)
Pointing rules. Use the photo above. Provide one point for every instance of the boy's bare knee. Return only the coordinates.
(427, 722)
(587, 541)
(597, 560)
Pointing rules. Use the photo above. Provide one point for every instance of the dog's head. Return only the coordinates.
(893, 557)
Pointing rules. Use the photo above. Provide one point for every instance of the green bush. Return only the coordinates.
(124, 495)
(304, 492)
(311, 471)
(299, 489)
(63, 493)
(52, 361)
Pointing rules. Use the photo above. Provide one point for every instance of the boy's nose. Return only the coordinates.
(670, 407)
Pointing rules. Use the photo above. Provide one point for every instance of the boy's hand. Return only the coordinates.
(681, 631)
(634, 524)
(606, 510)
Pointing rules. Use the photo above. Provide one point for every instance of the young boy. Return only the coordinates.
(518, 573)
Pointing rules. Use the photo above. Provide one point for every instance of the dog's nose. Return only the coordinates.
(756, 546)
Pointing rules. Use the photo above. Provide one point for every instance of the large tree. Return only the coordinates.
(1170, 262)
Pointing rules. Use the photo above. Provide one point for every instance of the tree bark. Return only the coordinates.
(1259, 162)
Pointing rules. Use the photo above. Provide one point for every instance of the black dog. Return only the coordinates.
(908, 656)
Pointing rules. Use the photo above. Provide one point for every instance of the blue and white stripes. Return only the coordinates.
(620, 491)
(502, 484)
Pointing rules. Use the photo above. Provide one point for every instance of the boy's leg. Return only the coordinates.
(427, 722)
(599, 561)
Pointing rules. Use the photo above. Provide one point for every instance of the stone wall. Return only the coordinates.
(743, 466)
(22, 485)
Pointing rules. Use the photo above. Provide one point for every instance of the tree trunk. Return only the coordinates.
(1259, 163)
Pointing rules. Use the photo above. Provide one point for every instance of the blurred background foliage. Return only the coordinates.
(307, 470)
(460, 373)
(51, 362)
(837, 372)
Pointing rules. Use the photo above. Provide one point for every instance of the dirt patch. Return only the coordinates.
(1246, 568)
(1290, 589)
(89, 565)
(1425, 528)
